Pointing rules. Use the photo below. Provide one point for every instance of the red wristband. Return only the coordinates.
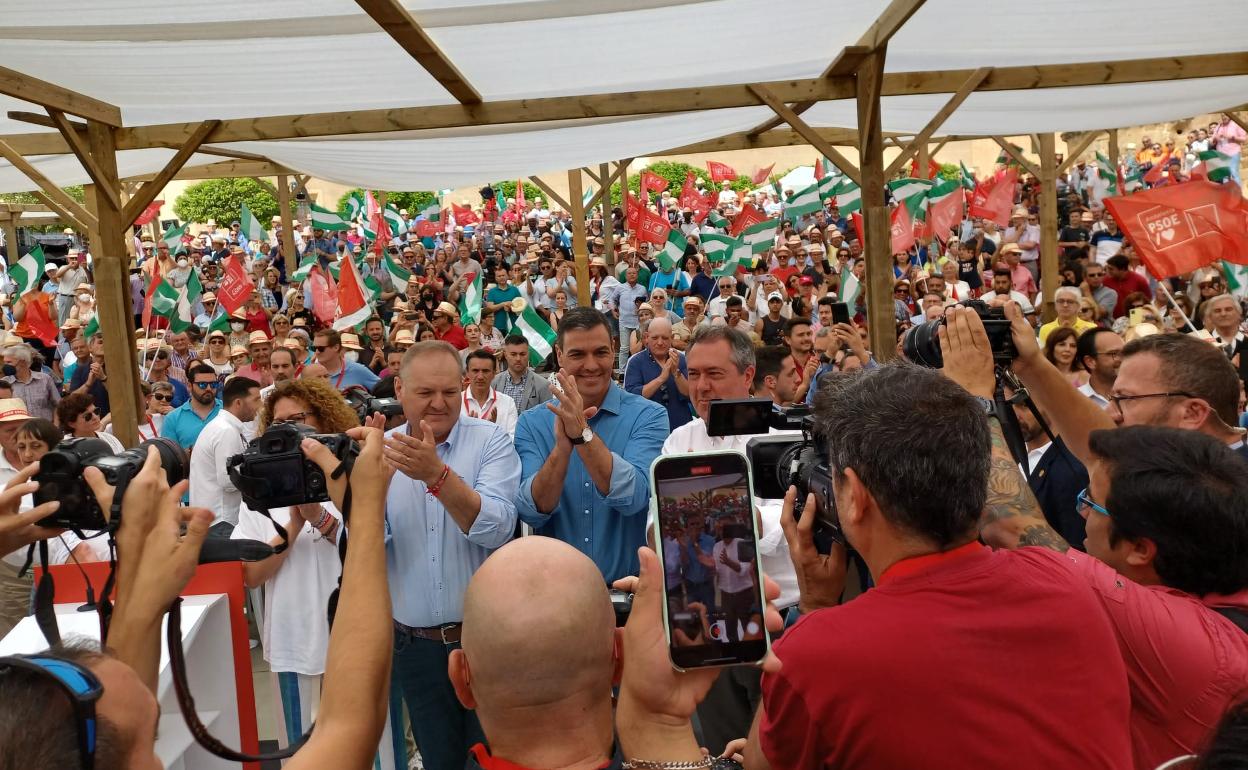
(436, 487)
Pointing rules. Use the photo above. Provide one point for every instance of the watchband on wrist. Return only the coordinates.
(646, 764)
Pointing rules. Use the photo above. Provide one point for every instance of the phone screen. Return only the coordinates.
(708, 543)
(840, 313)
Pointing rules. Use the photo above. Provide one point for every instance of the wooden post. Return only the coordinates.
(580, 253)
(111, 268)
(1048, 224)
(883, 325)
(1113, 149)
(922, 159)
(10, 237)
(608, 227)
(288, 223)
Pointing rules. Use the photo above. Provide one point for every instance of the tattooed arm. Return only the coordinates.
(1012, 518)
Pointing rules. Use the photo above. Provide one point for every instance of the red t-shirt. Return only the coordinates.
(783, 273)
(1128, 283)
(966, 659)
(1186, 664)
(454, 335)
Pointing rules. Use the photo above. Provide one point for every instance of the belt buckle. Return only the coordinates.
(442, 632)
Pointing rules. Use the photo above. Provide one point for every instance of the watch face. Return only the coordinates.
(586, 434)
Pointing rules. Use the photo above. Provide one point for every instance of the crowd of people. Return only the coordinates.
(521, 411)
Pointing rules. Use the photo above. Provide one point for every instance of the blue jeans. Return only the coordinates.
(444, 730)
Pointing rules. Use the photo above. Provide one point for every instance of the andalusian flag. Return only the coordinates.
(717, 220)
(164, 300)
(828, 186)
(374, 289)
(183, 315)
(739, 256)
(1236, 278)
(355, 205)
(470, 301)
(673, 251)
(803, 202)
(759, 237)
(328, 220)
(968, 179)
(848, 197)
(587, 196)
(1105, 170)
(399, 275)
(1217, 165)
(718, 247)
(220, 321)
(540, 336)
(432, 212)
(173, 238)
(1006, 159)
(912, 193)
(28, 271)
(252, 229)
(851, 288)
(93, 327)
(305, 267)
(395, 220)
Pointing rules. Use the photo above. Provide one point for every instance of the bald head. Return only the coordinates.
(659, 338)
(539, 632)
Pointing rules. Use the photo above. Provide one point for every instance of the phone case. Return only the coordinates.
(658, 544)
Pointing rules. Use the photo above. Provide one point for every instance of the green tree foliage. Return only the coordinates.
(950, 171)
(75, 191)
(675, 174)
(414, 202)
(223, 199)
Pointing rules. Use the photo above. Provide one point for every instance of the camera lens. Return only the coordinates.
(921, 345)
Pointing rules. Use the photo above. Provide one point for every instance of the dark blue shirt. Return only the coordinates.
(97, 391)
(704, 286)
(642, 368)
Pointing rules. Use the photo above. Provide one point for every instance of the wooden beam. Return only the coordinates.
(1237, 120)
(237, 154)
(554, 196)
(580, 249)
(922, 138)
(67, 205)
(78, 143)
(42, 120)
(1113, 147)
(1049, 269)
(80, 225)
(23, 208)
(45, 94)
(266, 184)
(288, 223)
(1013, 152)
(301, 184)
(224, 169)
(395, 20)
(1072, 154)
(593, 175)
(655, 102)
(743, 140)
(612, 178)
(786, 114)
(111, 272)
(931, 152)
(882, 327)
(148, 192)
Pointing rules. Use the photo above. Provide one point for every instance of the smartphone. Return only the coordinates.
(411, 316)
(1136, 316)
(706, 537)
(840, 312)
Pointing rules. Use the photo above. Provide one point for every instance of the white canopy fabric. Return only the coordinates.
(181, 60)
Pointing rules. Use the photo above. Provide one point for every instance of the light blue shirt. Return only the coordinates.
(429, 559)
(183, 425)
(607, 529)
(353, 374)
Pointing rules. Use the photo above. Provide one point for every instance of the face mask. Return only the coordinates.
(9, 370)
(183, 263)
(237, 325)
(352, 356)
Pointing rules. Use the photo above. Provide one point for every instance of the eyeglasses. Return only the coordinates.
(162, 396)
(202, 385)
(1083, 501)
(296, 417)
(81, 686)
(1116, 401)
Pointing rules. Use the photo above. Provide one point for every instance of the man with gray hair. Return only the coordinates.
(34, 387)
(1066, 301)
(658, 373)
(450, 505)
(727, 286)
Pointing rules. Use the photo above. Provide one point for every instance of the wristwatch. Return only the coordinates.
(989, 407)
(586, 436)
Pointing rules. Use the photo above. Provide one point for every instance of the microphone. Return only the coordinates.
(219, 549)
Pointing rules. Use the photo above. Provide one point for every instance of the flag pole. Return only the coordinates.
(1161, 284)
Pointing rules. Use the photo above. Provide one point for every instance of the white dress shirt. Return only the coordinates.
(211, 486)
(773, 549)
(1097, 398)
(501, 405)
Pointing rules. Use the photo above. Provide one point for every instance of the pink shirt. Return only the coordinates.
(1228, 137)
(1185, 663)
(1024, 282)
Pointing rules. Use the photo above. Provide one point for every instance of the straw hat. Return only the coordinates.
(404, 337)
(257, 338)
(448, 308)
(351, 341)
(238, 350)
(13, 410)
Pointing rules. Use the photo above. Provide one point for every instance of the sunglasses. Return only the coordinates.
(81, 686)
(202, 385)
(319, 348)
(216, 341)
(162, 396)
(89, 414)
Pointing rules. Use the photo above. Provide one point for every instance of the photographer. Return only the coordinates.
(1166, 515)
(305, 573)
(155, 565)
(908, 496)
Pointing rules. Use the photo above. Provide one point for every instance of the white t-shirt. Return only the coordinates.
(727, 579)
(211, 486)
(296, 598)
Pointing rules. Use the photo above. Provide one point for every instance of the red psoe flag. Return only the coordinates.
(761, 175)
(720, 172)
(632, 211)
(149, 213)
(652, 182)
(749, 216)
(902, 229)
(994, 197)
(1178, 228)
(235, 286)
(464, 215)
(653, 228)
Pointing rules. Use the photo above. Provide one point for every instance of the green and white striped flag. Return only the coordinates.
(848, 197)
(173, 238)
(28, 271)
(395, 220)
(305, 267)
(355, 205)
(718, 247)
(1236, 278)
(252, 229)
(1133, 181)
(587, 196)
(183, 313)
(374, 289)
(673, 251)
(828, 185)
(540, 336)
(803, 202)
(328, 220)
(967, 178)
(759, 237)
(93, 327)
(716, 220)
(851, 287)
(164, 300)
(1217, 165)
(399, 275)
(470, 302)
(1105, 170)
(432, 212)
(740, 256)
(912, 193)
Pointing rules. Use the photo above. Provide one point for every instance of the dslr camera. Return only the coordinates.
(921, 345)
(780, 460)
(366, 404)
(60, 478)
(272, 472)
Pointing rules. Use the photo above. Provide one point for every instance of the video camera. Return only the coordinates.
(60, 478)
(272, 472)
(366, 404)
(778, 461)
(921, 345)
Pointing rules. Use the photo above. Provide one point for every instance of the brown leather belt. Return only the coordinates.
(446, 634)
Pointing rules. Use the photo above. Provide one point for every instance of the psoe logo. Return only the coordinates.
(1166, 227)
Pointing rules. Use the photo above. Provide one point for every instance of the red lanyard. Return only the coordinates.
(485, 410)
(343, 373)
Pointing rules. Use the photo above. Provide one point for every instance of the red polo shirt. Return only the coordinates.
(1130, 282)
(1186, 664)
(965, 659)
(454, 335)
